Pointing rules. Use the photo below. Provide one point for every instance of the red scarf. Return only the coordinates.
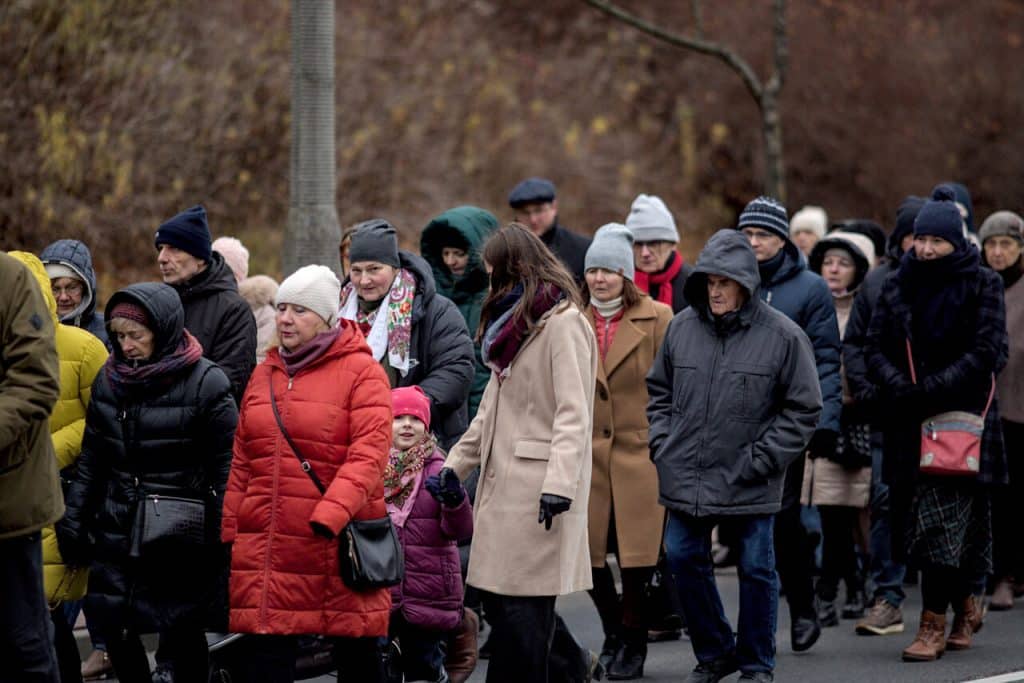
(662, 280)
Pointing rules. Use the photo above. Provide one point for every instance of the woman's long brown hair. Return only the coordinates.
(515, 256)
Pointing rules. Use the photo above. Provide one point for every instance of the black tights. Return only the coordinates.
(942, 586)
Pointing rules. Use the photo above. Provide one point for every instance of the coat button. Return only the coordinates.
(607, 432)
(603, 394)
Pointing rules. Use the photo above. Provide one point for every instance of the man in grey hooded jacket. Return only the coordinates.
(734, 398)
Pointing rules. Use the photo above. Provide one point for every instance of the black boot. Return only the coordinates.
(629, 662)
(609, 650)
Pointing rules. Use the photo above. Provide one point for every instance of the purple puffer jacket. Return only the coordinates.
(430, 596)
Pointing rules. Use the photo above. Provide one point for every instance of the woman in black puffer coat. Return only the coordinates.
(161, 421)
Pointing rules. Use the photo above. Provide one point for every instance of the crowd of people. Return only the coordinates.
(516, 413)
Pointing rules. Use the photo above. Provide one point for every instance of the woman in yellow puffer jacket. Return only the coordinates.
(81, 357)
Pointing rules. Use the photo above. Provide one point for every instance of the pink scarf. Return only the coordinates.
(403, 478)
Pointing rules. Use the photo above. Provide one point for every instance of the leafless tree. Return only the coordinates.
(765, 94)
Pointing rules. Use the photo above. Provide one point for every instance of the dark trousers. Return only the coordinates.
(688, 544)
(838, 558)
(793, 548)
(271, 659)
(68, 660)
(423, 650)
(26, 653)
(886, 571)
(942, 586)
(1007, 542)
(531, 642)
(184, 646)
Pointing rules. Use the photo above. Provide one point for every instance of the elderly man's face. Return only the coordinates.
(724, 294)
(537, 216)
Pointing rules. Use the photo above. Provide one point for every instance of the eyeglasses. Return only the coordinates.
(69, 290)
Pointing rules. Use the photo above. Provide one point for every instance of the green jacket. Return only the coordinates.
(464, 227)
(30, 496)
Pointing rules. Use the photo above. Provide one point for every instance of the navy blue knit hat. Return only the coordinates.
(187, 231)
(767, 213)
(940, 217)
(531, 191)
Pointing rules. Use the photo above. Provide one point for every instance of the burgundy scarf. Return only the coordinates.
(663, 279)
(308, 352)
(501, 344)
(127, 378)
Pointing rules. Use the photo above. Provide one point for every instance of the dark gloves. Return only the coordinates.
(551, 505)
(320, 530)
(823, 444)
(446, 488)
(73, 551)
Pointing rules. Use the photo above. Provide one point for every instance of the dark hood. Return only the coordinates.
(163, 305)
(75, 255)
(469, 226)
(728, 253)
(217, 277)
(963, 196)
(906, 213)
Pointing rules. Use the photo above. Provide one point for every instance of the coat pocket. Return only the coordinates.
(750, 390)
(533, 450)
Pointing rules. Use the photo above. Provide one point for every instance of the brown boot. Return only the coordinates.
(930, 642)
(966, 622)
(462, 655)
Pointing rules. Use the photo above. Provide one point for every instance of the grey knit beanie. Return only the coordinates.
(611, 249)
(650, 221)
(313, 287)
(1002, 223)
(375, 240)
(767, 213)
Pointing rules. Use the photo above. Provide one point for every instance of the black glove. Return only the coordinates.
(823, 444)
(320, 530)
(551, 505)
(74, 552)
(446, 488)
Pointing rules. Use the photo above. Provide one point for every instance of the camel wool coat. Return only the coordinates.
(624, 477)
(531, 435)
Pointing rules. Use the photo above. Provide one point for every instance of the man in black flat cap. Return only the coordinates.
(535, 206)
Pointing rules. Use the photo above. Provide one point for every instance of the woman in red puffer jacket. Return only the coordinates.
(334, 401)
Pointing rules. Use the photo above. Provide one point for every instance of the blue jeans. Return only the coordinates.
(688, 545)
(886, 573)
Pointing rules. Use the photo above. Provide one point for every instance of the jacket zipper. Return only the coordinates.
(707, 412)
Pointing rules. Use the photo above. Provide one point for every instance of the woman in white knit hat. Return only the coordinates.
(316, 413)
(624, 516)
(807, 227)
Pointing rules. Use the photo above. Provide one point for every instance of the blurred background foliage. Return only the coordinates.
(116, 115)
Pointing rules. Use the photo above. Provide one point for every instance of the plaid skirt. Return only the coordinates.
(951, 525)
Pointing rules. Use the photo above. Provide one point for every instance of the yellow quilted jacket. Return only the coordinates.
(81, 357)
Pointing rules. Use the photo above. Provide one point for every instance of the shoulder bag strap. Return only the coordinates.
(913, 378)
(306, 467)
(910, 360)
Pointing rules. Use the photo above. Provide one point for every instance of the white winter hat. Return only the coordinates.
(313, 287)
(650, 221)
(809, 219)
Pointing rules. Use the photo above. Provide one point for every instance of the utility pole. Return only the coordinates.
(313, 234)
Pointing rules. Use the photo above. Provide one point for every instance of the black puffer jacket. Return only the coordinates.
(218, 316)
(175, 440)
(442, 351)
(733, 401)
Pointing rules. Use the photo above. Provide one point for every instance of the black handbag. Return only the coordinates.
(369, 554)
(168, 523)
(853, 448)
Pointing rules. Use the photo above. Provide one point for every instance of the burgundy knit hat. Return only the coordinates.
(131, 311)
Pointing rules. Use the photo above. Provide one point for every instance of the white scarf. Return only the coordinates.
(378, 337)
(607, 309)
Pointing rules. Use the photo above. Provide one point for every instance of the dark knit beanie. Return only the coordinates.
(375, 240)
(940, 217)
(531, 191)
(187, 231)
(767, 213)
(906, 214)
(131, 311)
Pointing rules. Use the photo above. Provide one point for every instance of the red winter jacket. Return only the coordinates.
(337, 409)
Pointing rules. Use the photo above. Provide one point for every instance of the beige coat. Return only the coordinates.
(530, 436)
(624, 476)
(825, 482)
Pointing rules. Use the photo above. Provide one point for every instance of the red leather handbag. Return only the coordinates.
(951, 442)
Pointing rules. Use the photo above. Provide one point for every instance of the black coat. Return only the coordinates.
(218, 316)
(441, 354)
(173, 440)
(570, 248)
(863, 390)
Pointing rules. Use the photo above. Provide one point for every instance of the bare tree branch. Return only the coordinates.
(781, 48)
(698, 20)
(706, 47)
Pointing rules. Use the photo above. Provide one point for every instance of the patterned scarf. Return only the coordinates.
(507, 333)
(126, 377)
(390, 331)
(663, 280)
(403, 476)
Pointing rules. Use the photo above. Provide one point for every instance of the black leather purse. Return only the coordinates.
(369, 554)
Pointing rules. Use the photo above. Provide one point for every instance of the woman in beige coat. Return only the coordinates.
(531, 440)
(840, 486)
(625, 516)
